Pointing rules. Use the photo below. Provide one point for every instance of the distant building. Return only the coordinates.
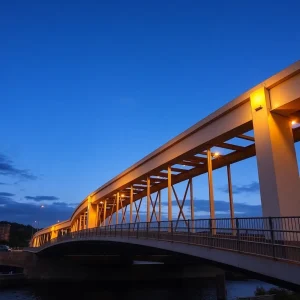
(4, 232)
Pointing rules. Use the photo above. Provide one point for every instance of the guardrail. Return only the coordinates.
(274, 237)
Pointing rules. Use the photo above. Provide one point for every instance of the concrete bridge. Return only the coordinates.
(262, 122)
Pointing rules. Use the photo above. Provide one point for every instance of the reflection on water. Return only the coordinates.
(113, 291)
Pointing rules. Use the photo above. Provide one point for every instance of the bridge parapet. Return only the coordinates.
(266, 237)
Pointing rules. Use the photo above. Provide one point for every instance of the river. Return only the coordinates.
(87, 290)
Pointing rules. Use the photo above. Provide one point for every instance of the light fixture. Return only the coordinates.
(42, 206)
(257, 99)
(122, 195)
(216, 154)
(294, 122)
(101, 202)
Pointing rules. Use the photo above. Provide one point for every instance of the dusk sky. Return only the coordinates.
(88, 88)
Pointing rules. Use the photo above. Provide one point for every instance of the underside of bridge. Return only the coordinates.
(113, 259)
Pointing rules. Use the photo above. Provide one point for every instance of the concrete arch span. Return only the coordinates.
(284, 273)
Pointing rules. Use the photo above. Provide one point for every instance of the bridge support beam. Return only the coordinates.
(148, 198)
(230, 198)
(131, 202)
(117, 207)
(276, 158)
(211, 191)
(92, 214)
(104, 213)
(170, 218)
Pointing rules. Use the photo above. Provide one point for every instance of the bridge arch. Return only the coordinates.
(273, 270)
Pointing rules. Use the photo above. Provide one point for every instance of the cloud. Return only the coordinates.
(3, 183)
(41, 198)
(7, 168)
(6, 194)
(27, 213)
(5, 200)
(239, 189)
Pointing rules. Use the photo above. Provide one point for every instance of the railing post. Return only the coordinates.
(147, 230)
(210, 233)
(238, 234)
(188, 221)
(272, 236)
(158, 229)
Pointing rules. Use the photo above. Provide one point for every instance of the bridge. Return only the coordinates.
(261, 122)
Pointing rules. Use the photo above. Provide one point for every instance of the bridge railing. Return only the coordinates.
(277, 238)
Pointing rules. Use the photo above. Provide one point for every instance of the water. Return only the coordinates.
(116, 292)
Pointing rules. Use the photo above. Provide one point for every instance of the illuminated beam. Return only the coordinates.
(230, 146)
(231, 158)
(246, 137)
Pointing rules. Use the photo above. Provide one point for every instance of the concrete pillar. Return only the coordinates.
(221, 287)
(276, 159)
(91, 214)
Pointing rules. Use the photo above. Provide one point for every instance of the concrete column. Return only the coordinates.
(276, 159)
(221, 287)
(91, 214)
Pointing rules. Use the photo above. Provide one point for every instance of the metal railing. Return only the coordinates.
(274, 237)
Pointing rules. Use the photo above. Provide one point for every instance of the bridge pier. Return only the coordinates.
(276, 158)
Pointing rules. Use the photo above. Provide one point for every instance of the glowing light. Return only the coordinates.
(294, 122)
(42, 206)
(122, 195)
(101, 202)
(57, 221)
(216, 154)
(258, 99)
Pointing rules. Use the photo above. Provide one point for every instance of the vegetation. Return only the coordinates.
(20, 235)
(279, 294)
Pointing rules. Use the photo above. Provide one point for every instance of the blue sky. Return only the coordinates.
(89, 88)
